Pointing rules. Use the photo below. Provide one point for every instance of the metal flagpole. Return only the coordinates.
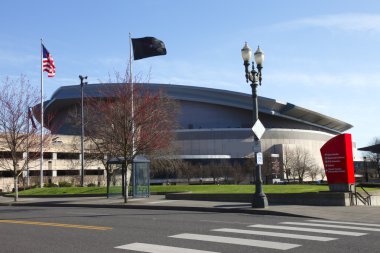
(27, 149)
(132, 116)
(131, 82)
(42, 121)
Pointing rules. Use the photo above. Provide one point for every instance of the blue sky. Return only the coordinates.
(322, 55)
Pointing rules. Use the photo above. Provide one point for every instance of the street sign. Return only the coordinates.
(259, 158)
(258, 129)
(257, 146)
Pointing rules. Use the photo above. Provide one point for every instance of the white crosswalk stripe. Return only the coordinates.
(274, 234)
(334, 228)
(345, 222)
(331, 226)
(237, 241)
(313, 230)
(156, 248)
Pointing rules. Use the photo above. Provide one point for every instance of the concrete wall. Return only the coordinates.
(312, 199)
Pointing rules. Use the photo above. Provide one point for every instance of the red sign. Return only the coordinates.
(338, 160)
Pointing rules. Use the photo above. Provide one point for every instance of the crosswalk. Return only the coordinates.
(318, 231)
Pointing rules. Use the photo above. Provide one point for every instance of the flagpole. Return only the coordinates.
(42, 122)
(132, 116)
(132, 88)
(27, 150)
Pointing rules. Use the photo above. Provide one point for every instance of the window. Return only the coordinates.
(68, 156)
(34, 173)
(93, 156)
(6, 174)
(8, 154)
(36, 155)
(67, 172)
(94, 172)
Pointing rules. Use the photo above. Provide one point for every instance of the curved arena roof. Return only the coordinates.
(67, 95)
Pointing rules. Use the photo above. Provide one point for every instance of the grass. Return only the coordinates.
(69, 190)
(212, 189)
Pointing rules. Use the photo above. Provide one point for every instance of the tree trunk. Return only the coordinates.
(16, 188)
(108, 179)
(123, 180)
(125, 184)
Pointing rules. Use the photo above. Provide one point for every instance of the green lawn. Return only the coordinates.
(181, 188)
(69, 190)
(213, 189)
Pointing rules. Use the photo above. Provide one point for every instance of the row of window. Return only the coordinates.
(49, 155)
(60, 173)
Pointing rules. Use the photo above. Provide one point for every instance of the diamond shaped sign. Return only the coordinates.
(258, 129)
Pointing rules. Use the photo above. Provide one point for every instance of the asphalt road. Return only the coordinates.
(41, 229)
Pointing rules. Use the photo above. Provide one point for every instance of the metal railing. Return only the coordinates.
(364, 197)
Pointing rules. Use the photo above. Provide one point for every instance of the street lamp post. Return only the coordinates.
(82, 130)
(259, 198)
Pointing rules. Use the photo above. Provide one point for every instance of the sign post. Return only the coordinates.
(338, 162)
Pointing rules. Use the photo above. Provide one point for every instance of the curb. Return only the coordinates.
(169, 208)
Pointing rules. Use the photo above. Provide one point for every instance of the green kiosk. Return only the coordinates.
(140, 174)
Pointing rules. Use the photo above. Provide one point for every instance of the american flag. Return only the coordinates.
(48, 62)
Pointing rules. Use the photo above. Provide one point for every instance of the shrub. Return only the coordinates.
(91, 185)
(50, 185)
(64, 184)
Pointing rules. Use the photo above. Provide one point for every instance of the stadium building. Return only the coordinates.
(214, 124)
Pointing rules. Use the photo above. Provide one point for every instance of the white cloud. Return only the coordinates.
(355, 22)
(15, 58)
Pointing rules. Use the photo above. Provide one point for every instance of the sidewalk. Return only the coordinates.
(366, 214)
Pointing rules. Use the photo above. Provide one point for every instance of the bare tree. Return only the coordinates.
(266, 168)
(373, 159)
(187, 170)
(288, 161)
(322, 173)
(249, 165)
(314, 171)
(226, 169)
(239, 172)
(17, 141)
(214, 171)
(118, 132)
(303, 162)
(164, 168)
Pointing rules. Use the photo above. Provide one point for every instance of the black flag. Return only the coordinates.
(30, 116)
(147, 47)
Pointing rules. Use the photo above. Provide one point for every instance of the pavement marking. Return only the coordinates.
(50, 224)
(313, 230)
(155, 248)
(283, 235)
(97, 214)
(162, 201)
(226, 222)
(345, 222)
(331, 226)
(238, 241)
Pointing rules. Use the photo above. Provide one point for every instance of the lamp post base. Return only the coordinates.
(259, 201)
